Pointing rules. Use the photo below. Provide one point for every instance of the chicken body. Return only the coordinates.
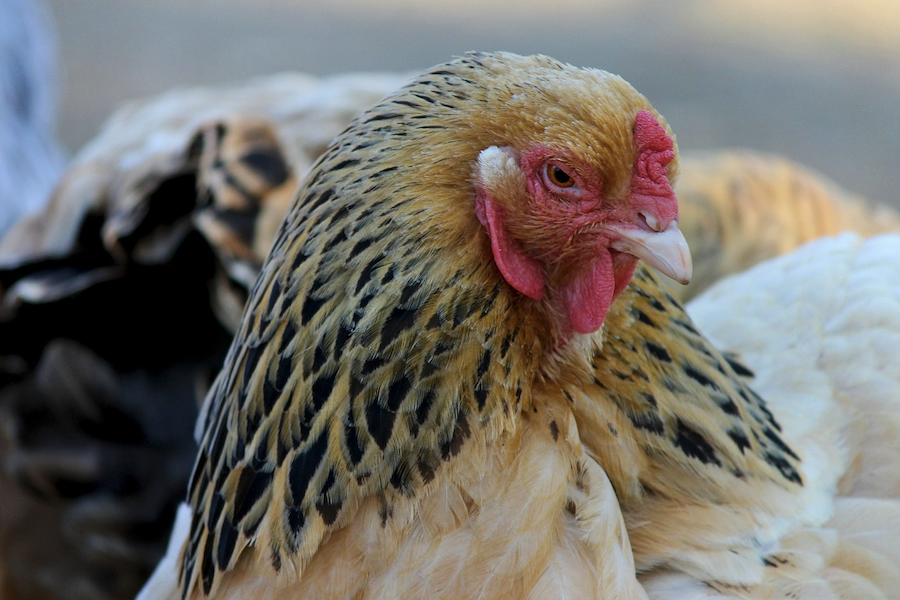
(458, 540)
(388, 359)
(412, 406)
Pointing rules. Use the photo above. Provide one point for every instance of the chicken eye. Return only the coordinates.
(558, 176)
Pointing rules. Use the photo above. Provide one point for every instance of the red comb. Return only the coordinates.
(650, 135)
(655, 151)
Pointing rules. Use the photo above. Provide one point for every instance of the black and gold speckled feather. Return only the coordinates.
(670, 382)
(678, 429)
(380, 336)
(332, 393)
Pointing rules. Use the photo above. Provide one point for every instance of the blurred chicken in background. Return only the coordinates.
(117, 304)
(738, 208)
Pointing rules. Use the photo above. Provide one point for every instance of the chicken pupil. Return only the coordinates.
(559, 177)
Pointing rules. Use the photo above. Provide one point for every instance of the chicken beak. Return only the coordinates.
(666, 251)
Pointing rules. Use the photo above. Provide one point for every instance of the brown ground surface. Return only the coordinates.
(818, 81)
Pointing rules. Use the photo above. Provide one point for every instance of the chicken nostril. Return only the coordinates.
(651, 221)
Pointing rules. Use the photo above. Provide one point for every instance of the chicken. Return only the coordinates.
(451, 355)
(740, 207)
(389, 422)
(150, 147)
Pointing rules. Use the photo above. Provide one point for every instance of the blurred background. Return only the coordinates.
(816, 80)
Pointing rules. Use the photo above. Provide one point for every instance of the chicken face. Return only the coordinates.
(583, 239)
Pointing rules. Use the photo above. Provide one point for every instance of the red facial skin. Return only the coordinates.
(567, 220)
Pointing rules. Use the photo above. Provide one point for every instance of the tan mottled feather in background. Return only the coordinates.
(740, 207)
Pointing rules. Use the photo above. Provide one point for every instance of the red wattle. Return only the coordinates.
(588, 297)
(520, 270)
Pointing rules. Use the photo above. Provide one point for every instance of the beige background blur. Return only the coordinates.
(816, 80)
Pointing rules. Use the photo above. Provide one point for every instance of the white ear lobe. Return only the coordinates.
(497, 166)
